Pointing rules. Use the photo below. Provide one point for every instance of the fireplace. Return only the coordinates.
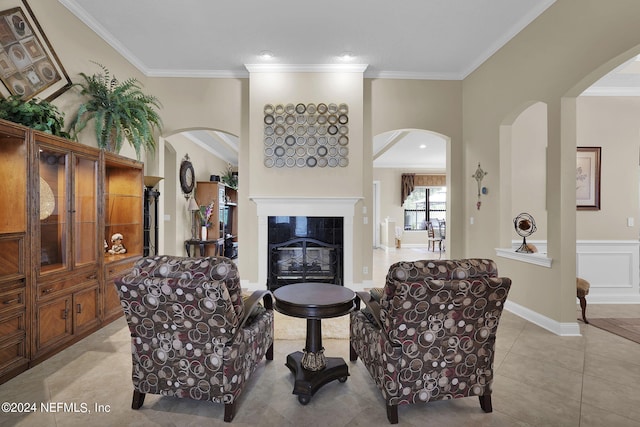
(271, 206)
(304, 249)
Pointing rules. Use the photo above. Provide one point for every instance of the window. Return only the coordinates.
(424, 204)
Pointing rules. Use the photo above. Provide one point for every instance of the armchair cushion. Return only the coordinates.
(208, 268)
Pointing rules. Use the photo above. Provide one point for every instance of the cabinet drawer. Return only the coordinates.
(16, 283)
(13, 353)
(12, 326)
(11, 300)
(55, 287)
(120, 268)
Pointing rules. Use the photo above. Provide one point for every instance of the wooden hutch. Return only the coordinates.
(60, 204)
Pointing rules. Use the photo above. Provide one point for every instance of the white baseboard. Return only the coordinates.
(563, 329)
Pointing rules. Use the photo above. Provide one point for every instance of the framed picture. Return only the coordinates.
(29, 67)
(588, 178)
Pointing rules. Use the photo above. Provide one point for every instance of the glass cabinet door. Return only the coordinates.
(85, 210)
(53, 212)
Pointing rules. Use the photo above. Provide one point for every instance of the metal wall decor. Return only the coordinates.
(306, 135)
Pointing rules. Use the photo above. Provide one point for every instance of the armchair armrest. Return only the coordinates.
(251, 303)
(372, 305)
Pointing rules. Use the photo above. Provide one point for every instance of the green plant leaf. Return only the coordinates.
(120, 111)
(34, 113)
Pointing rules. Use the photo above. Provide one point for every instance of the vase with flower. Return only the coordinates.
(205, 219)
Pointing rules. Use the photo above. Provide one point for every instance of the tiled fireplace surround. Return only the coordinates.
(305, 206)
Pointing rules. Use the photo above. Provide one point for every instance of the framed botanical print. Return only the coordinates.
(588, 178)
(29, 67)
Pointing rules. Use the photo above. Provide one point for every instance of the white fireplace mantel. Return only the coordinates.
(305, 206)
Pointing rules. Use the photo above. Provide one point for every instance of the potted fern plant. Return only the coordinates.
(120, 111)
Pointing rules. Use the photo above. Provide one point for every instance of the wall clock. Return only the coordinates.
(187, 176)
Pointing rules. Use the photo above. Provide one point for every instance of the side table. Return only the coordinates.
(314, 301)
(219, 243)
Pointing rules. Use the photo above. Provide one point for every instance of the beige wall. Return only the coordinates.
(568, 47)
(174, 202)
(612, 123)
(435, 106)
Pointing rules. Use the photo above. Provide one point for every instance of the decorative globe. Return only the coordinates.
(525, 226)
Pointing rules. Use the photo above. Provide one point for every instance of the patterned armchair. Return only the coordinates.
(192, 334)
(431, 334)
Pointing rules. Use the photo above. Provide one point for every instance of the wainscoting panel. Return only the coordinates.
(612, 268)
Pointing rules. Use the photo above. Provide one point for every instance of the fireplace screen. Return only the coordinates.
(304, 260)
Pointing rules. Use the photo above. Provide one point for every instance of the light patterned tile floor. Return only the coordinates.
(541, 380)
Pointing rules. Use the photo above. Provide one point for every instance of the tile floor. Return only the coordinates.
(541, 380)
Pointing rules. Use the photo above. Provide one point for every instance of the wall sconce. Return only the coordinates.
(193, 208)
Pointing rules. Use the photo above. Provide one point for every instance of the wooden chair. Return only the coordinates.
(433, 238)
(582, 290)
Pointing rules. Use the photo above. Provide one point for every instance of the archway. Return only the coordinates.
(603, 108)
(211, 152)
(523, 145)
(399, 151)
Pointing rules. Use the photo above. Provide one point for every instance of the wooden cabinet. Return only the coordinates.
(225, 216)
(63, 317)
(65, 252)
(14, 242)
(60, 203)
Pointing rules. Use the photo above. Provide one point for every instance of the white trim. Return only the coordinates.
(95, 26)
(306, 68)
(534, 13)
(611, 91)
(306, 206)
(196, 74)
(563, 329)
(408, 75)
(536, 258)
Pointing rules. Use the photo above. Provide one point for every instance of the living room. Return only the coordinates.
(551, 61)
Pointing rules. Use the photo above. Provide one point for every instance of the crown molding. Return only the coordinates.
(306, 68)
(406, 75)
(611, 91)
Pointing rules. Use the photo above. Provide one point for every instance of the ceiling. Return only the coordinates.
(437, 39)
(412, 39)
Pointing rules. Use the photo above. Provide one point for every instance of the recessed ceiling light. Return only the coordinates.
(266, 54)
(423, 146)
(347, 56)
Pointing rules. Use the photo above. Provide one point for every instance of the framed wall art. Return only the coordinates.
(29, 67)
(588, 178)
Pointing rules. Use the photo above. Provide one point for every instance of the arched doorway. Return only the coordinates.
(211, 152)
(402, 151)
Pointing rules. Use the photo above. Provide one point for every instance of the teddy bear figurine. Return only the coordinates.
(117, 247)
